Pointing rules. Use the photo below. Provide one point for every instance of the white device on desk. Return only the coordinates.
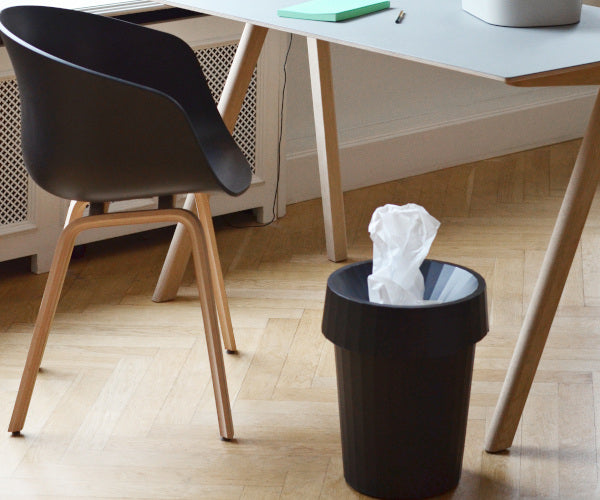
(522, 13)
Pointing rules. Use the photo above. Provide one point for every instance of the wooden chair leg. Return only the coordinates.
(199, 248)
(76, 209)
(205, 217)
(176, 261)
(54, 284)
(200, 252)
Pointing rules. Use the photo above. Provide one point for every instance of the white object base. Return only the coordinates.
(523, 13)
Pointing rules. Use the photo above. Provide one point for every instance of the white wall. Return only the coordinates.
(398, 118)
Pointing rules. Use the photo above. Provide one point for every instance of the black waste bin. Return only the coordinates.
(404, 379)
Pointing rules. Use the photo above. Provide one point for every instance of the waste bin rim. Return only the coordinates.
(437, 305)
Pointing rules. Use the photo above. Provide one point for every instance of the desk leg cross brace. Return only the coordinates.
(546, 295)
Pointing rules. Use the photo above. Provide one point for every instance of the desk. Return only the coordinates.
(437, 33)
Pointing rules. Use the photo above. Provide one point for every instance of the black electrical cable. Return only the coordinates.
(276, 193)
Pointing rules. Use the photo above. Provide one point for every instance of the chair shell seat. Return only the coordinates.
(112, 110)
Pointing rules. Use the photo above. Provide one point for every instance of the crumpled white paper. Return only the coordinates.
(402, 237)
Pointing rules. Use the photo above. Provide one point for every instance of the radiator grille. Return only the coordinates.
(14, 181)
(215, 62)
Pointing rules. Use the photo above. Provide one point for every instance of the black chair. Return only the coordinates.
(114, 111)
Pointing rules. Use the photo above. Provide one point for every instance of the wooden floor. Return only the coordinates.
(123, 407)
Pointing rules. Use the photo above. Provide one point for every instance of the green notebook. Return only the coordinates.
(332, 10)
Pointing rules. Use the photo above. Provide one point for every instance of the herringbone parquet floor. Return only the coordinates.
(123, 407)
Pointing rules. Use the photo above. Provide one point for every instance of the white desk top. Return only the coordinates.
(436, 32)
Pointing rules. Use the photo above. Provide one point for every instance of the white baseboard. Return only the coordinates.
(389, 157)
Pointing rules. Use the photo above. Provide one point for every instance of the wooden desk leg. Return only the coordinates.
(546, 296)
(319, 59)
(232, 98)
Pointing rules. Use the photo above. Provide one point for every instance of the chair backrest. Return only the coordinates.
(111, 110)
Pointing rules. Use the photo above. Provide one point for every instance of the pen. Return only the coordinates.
(401, 15)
